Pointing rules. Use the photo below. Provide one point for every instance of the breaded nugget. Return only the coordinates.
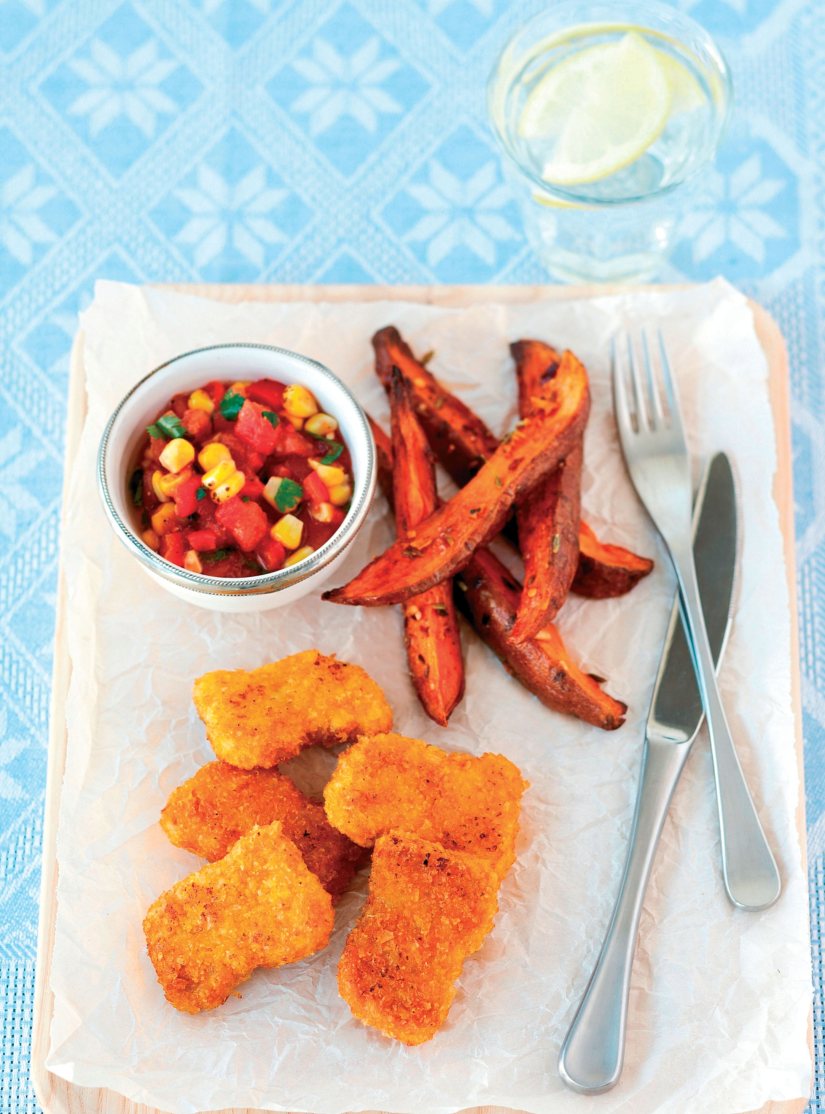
(259, 906)
(427, 910)
(264, 717)
(215, 807)
(392, 783)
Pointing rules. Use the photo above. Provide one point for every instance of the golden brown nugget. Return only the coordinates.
(264, 717)
(392, 783)
(259, 906)
(214, 808)
(427, 910)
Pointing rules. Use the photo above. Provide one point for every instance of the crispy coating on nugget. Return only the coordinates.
(219, 804)
(427, 910)
(393, 783)
(259, 906)
(264, 717)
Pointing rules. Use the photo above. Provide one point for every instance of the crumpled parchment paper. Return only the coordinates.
(720, 1000)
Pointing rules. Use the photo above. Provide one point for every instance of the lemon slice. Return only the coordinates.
(685, 91)
(600, 110)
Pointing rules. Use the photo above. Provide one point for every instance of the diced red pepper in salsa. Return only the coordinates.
(204, 541)
(269, 393)
(255, 430)
(271, 554)
(289, 442)
(252, 489)
(215, 390)
(211, 493)
(186, 498)
(197, 424)
(246, 522)
(173, 548)
(315, 489)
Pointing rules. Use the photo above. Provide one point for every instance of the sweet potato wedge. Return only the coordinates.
(548, 534)
(605, 571)
(442, 544)
(430, 621)
(489, 596)
(383, 455)
(536, 365)
(459, 438)
(542, 664)
(461, 442)
(548, 517)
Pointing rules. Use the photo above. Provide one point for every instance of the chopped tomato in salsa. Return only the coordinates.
(235, 479)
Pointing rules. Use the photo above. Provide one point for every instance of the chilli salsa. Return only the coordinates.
(238, 479)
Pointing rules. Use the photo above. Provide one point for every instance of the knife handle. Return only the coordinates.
(749, 869)
(591, 1057)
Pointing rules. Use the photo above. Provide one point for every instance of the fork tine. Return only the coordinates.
(643, 417)
(659, 417)
(669, 383)
(620, 403)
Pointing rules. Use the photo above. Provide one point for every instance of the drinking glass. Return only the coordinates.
(606, 126)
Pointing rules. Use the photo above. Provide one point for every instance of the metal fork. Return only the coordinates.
(656, 454)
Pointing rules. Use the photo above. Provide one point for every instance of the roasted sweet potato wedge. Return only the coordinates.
(548, 534)
(605, 571)
(383, 454)
(548, 517)
(536, 365)
(430, 620)
(459, 438)
(461, 441)
(442, 544)
(489, 596)
(535, 663)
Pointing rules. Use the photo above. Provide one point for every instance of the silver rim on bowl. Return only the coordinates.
(264, 582)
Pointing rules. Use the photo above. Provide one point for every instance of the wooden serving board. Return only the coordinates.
(55, 1095)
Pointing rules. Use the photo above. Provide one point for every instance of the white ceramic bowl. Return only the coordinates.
(127, 425)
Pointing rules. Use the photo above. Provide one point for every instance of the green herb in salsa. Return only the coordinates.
(167, 426)
(288, 495)
(333, 452)
(231, 405)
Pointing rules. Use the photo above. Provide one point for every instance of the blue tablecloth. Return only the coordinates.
(328, 141)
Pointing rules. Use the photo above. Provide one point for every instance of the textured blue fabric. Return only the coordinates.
(327, 141)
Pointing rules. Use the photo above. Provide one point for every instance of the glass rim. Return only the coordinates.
(680, 23)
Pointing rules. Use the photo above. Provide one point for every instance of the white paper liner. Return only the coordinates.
(720, 1000)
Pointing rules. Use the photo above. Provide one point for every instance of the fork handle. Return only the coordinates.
(748, 866)
(593, 1050)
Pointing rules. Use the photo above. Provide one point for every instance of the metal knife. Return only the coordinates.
(593, 1051)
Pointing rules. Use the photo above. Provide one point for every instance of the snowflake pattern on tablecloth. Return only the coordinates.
(743, 220)
(456, 211)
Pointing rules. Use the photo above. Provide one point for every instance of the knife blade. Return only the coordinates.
(676, 710)
(592, 1053)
